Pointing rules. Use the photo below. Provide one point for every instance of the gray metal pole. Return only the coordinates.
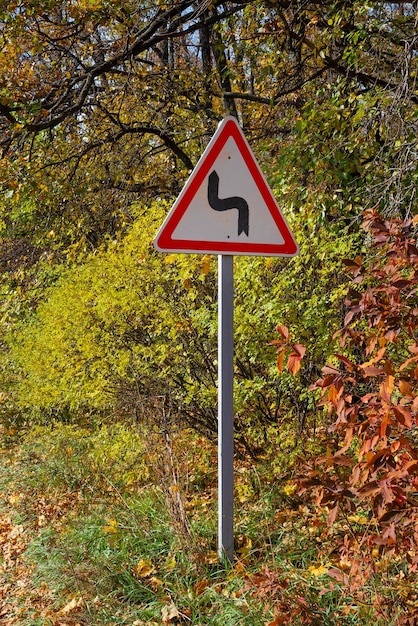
(225, 406)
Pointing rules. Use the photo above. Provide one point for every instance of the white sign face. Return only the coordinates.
(226, 206)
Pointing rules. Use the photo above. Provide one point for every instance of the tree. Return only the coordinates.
(125, 93)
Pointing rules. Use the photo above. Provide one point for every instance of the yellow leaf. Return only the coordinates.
(156, 582)
(169, 613)
(143, 568)
(75, 603)
(290, 489)
(344, 564)
(245, 550)
(239, 568)
(205, 268)
(171, 563)
(212, 557)
(359, 519)
(318, 571)
(111, 527)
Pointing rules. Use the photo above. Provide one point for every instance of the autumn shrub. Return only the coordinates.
(369, 391)
(129, 326)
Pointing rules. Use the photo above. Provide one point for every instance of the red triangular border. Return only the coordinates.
(165, 243)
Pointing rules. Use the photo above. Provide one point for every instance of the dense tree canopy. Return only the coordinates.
(110, 100)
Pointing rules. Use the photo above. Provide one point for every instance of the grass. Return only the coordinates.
(108, 545)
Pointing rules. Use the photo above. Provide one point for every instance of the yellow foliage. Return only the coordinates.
(319, 570)
(111, 527)
(143, 568)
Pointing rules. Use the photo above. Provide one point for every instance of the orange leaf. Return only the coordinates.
(332, 515)
(380, 354)
(293, 363)
(280, 358)
(386, 422)
(389, 368)
(295, 358)
(403, 416)
(335, 391)
(411, 467)
(386, 388)
(205, 268)
(408, 362)
(405, 388)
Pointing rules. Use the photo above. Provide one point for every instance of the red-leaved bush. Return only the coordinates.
(370, 392)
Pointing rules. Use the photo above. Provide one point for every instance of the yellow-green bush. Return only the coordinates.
(130, 329)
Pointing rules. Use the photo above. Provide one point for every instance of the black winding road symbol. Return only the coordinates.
(224, 204)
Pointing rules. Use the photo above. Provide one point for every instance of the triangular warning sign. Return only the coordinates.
(226, 206)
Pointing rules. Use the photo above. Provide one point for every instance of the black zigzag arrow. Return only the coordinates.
(224, 204)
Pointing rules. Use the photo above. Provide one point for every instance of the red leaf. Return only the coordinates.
(327, 381)
(392, 334)
(387, 492)
(338, 574)
(299, 349)
(353, 266)
(344, 461)
(391, 516)
(349, 316)
(400, 284)
(373, 371)
(346, 362)
(329, 369)
(283, 331)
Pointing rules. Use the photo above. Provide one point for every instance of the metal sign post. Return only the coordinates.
(225, 406)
